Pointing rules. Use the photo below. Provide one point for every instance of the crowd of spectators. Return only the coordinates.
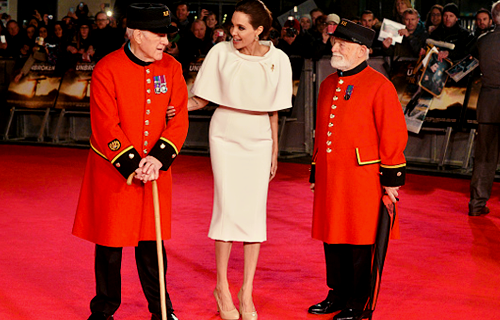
(79, 37)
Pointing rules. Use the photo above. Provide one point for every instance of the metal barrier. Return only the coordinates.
(445, 149)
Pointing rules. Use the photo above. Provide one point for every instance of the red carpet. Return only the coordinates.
(445, 266)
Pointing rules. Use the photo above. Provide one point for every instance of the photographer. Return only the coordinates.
(105, 38)
(210, 19)
(192, 44)
(219, 34)
(39, 54)
(292, 41)
(173, 39)
(81, 46)
(14, 39)
(325, 26)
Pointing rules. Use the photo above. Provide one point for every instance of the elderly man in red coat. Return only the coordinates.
(131, 89)
(358, 156)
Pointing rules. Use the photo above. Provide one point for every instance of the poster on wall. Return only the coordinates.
(38, 89)
(75, 87)
(441, 108)
(415, 116)
(434, 77)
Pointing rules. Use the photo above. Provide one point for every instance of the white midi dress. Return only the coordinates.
(246, 88)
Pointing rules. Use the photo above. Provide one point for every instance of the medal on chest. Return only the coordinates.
(160, 84)
(348, 92)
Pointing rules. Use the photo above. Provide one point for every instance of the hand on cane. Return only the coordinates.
(149, 169)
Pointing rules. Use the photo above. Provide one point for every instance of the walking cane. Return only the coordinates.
(156, 205)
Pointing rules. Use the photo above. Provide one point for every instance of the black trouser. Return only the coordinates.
(485, 165)
(348, 273)
(108, 262)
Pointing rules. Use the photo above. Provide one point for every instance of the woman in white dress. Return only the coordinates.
(250, 80)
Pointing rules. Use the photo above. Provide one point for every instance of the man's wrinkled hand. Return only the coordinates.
(149, 169)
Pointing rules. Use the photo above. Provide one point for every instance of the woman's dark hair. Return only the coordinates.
(259, 15)
(428, 22)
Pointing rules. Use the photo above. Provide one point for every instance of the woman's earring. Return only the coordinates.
(256, 38)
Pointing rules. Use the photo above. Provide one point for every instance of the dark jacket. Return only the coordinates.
(457, 35)
(488, 106)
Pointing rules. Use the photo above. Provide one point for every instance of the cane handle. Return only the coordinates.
(130, 178)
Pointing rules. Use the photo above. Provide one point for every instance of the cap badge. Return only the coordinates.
(165, 13)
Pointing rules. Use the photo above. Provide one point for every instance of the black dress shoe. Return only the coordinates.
(479, 212)
(170, 316)
(353, 314)
(329, 305)
(100, 316)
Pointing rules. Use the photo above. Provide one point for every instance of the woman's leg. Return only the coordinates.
(222, 253)
(251, 252)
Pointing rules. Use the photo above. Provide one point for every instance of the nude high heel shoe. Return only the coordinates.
(226, 315)
(246, 315)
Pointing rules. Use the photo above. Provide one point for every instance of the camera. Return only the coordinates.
(289, 26)
(219, 33)
(290, 32)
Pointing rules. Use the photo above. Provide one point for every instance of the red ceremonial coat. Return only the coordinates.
(128, 105)
(360, 138)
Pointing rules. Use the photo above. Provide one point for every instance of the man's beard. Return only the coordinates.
(340, 62)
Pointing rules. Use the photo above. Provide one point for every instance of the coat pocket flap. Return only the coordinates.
(367, 155)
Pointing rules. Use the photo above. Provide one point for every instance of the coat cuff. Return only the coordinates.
(312, 176)
(392, 176)
(127, 162)
(165, 151)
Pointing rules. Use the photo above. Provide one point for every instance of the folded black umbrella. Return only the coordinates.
(385, 224)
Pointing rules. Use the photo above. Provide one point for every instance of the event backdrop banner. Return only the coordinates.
(38, 89)
(75, 87)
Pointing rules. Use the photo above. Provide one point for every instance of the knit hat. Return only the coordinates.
(332, 17)
(453, 8)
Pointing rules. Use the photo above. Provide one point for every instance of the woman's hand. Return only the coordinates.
(72, 49)
(274, 163)
(170, 112)
(273, 119)
(195, 103)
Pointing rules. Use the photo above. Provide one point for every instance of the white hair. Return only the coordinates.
(129, 32)
(495, 12)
